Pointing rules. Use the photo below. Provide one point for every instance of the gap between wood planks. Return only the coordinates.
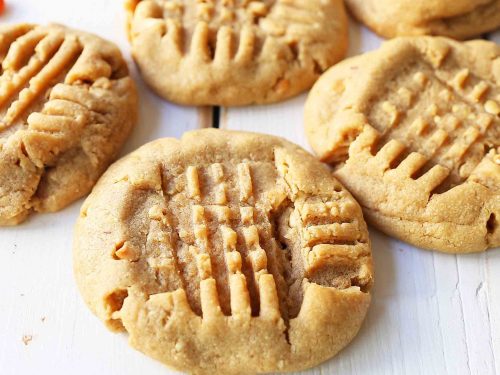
(209, 117)
(216, 117)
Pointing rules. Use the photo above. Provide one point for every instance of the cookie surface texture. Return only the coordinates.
(413, 131)
(460, 19)
(235, 52)
(225, 253)
(66, 106)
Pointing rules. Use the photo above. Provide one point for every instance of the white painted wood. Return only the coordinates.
(431, 313)
(495, 36)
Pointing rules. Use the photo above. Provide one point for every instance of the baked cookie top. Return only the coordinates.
(225, 253)
(66, 106)
(235, 52)
(459, 19)
(413, 130)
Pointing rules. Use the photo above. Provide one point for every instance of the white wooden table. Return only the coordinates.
(431, 313)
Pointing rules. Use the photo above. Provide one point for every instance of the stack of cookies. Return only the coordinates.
(240, 253)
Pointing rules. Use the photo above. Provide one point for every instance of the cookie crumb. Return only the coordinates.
(27, 338)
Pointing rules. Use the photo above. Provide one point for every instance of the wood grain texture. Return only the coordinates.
(431, 313)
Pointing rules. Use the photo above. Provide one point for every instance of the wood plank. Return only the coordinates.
(491, 288)
(495, 36)
(281, 119)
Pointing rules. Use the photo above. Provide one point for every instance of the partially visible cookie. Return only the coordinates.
(460, 19)
(67, 104)
(413, 131)
(235, 52)
(225, 253)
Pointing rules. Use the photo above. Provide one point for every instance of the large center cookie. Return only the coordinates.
(225, 253)
(67, 105)
(413, 130)
(454, 18)
(235, 52)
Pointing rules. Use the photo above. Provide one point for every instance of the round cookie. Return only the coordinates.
(235, 52)
(460, 19)
(413, 131)
(225, 253)
(67, 105)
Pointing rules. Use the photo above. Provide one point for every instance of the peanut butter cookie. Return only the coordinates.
(67, 105)
(225, 253)
(413, 130)
(459, 19)
(235, 52)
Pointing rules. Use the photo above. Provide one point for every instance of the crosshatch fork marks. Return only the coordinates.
(22, 85)
(221, 30)
(210, 229)
(221, 239)
(454, 131)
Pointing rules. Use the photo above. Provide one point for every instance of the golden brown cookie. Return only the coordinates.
(413, 131)
(67, 105)
(235, 52)
(459, 19)
(225, 253)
